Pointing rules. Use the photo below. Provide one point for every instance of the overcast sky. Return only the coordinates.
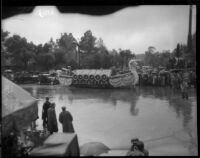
(134, 28)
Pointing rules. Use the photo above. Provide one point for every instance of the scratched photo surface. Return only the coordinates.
(157, 115)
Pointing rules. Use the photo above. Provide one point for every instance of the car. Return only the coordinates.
(25, 78)
(47, 79)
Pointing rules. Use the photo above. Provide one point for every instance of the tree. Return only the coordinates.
(115, 58)
(164, 58)
(52, 44)
(157, 59)
(97, 61)
(65, 52)
(4, 35)
(66, 42)
(100, 47)
(106, 61)
(4, 53)
(46, 61)
(19, 50)
(87, 42)
(152, 57)
(151, 49)
(172, 62)
(126, 56)
(59, 54)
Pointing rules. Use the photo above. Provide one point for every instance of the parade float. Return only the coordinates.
(99, 78)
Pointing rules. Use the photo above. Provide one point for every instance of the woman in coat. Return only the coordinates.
(66, 119)
(52, 120)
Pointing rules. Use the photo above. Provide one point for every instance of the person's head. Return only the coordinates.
(63, 108)
(47, 98)
(134, 140)
(134, 143)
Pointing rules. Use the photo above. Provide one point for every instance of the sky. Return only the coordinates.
(134, 28)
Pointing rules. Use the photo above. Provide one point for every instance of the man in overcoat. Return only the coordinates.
(66, 119)
(45, 108)
(52, 119)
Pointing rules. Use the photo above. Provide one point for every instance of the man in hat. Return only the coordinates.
(69, 72)
(66, 119)
(45, 108)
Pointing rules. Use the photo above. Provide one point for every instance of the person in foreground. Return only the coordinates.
(65, 118)
(45, 108)
(52, 120)
(137, 148)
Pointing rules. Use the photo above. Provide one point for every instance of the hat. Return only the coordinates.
(63, 107)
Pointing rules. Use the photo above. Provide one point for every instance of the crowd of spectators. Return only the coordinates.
(172, 78)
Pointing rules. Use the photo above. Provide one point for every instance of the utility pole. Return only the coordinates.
(189, 40)
(79, 53)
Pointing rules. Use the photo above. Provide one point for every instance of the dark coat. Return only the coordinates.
(52, 120)
(66, 119)
(45, 108)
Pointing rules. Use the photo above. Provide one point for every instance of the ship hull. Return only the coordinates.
(98, 79)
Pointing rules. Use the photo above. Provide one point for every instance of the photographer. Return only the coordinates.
(137, 148)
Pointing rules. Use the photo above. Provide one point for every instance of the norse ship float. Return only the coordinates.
(99, 78)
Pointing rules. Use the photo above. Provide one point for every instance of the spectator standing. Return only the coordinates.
(179, 80)
(186, 77)
(154, 80)
(52, 119)
(66, 119)
(194, 78)
(172, 78)
(176, 81)
(159, 80)
(163, 80)
(45, 108)
(190, 79)
(168, 79)
(184, 87)
(150, 78)
(140, 79)
(145, 79)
